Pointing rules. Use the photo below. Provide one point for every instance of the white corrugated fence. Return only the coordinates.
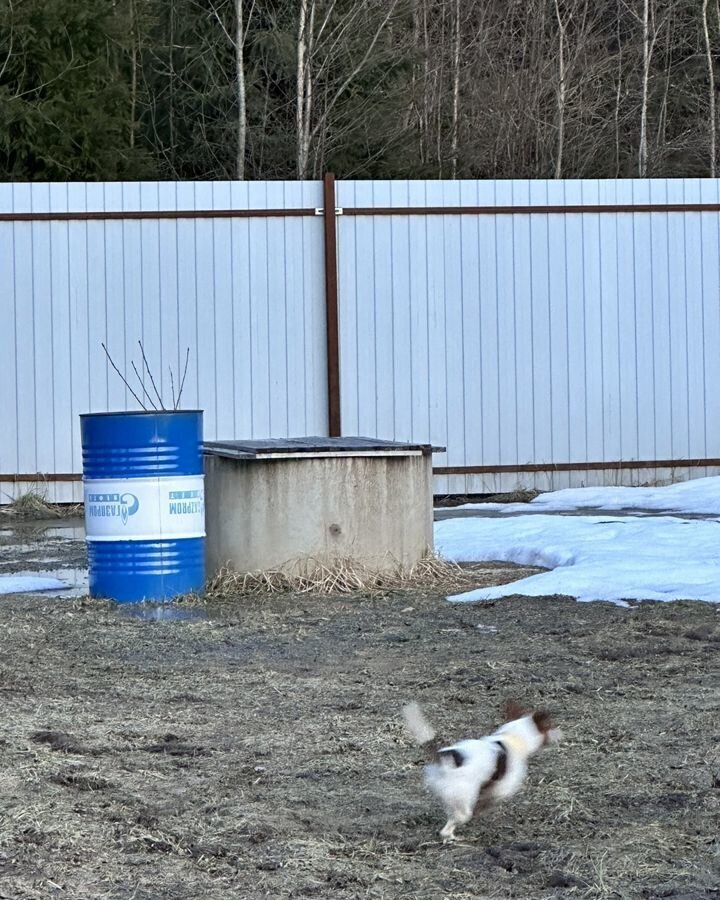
(537, 341)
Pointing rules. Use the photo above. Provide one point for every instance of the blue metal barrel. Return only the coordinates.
(144, 504)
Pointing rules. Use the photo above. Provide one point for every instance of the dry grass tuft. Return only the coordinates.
(348, 576)
(34, 506)
(519, 496)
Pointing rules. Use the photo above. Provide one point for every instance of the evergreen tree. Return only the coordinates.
(267, 89)
(64, 92)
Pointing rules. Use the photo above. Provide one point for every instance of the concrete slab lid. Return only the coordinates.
(277, 448)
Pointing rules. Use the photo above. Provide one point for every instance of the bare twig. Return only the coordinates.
(356, 70)
(152, 380)
(124, 379)
(182, 383)
(150, 399)
(10, 43)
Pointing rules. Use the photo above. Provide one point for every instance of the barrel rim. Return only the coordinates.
(143, 412)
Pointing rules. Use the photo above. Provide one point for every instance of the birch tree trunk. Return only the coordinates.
(456, 92)
(240, 87)
(302, 146)
(306, 33)
(561, 92)
(711, 88)
(642, 150)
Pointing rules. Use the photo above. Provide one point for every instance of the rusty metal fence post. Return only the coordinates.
(331, 306)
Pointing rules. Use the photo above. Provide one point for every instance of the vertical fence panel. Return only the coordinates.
(277, 315)
(675, 254)
(221, 304)
(552, 339)
(710, 242)
(610, 324)
(217, 285)
(169, 338)
(381, 299)
(693, 309)
(660, 336)
(450, 412)
(592, 299)
(540, 325)
(64, 430)
(26, 397)
(97, 301)
(470, 329)
(9, 461)
(117, 396)
(43, 338)
(488, 303)
(400, 308)
(557, 348)
(418, 302)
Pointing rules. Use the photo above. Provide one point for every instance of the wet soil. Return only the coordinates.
(259, 752)
(45, 547)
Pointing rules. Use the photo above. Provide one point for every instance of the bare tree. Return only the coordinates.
(306, 19)
(561, 91)
(323, 39)
(647, 53)
(456, 90)
(241, 93)
(237, 41)
(712, 127)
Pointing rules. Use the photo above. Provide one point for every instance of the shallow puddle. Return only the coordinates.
(47, 548)
(70, 532)
(167, 612)
(76, 581)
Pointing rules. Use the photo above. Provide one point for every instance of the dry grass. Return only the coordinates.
(348, 576)
(521, 495)
(34, 506)
(260, 753)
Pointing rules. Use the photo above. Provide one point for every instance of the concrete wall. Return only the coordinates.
(269, 514)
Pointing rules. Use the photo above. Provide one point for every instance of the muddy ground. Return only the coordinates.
(258, 753)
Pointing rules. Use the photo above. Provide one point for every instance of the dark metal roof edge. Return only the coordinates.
(226, 448)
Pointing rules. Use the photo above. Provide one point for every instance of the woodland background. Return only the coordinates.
(285, 89)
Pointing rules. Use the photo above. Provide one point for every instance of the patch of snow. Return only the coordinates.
(26, 584)
(592, 557)
(699, 496)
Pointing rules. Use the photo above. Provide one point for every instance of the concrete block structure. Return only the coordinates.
(290, 504)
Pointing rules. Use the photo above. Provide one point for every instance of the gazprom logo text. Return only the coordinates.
(111, 506)
(183, 503)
